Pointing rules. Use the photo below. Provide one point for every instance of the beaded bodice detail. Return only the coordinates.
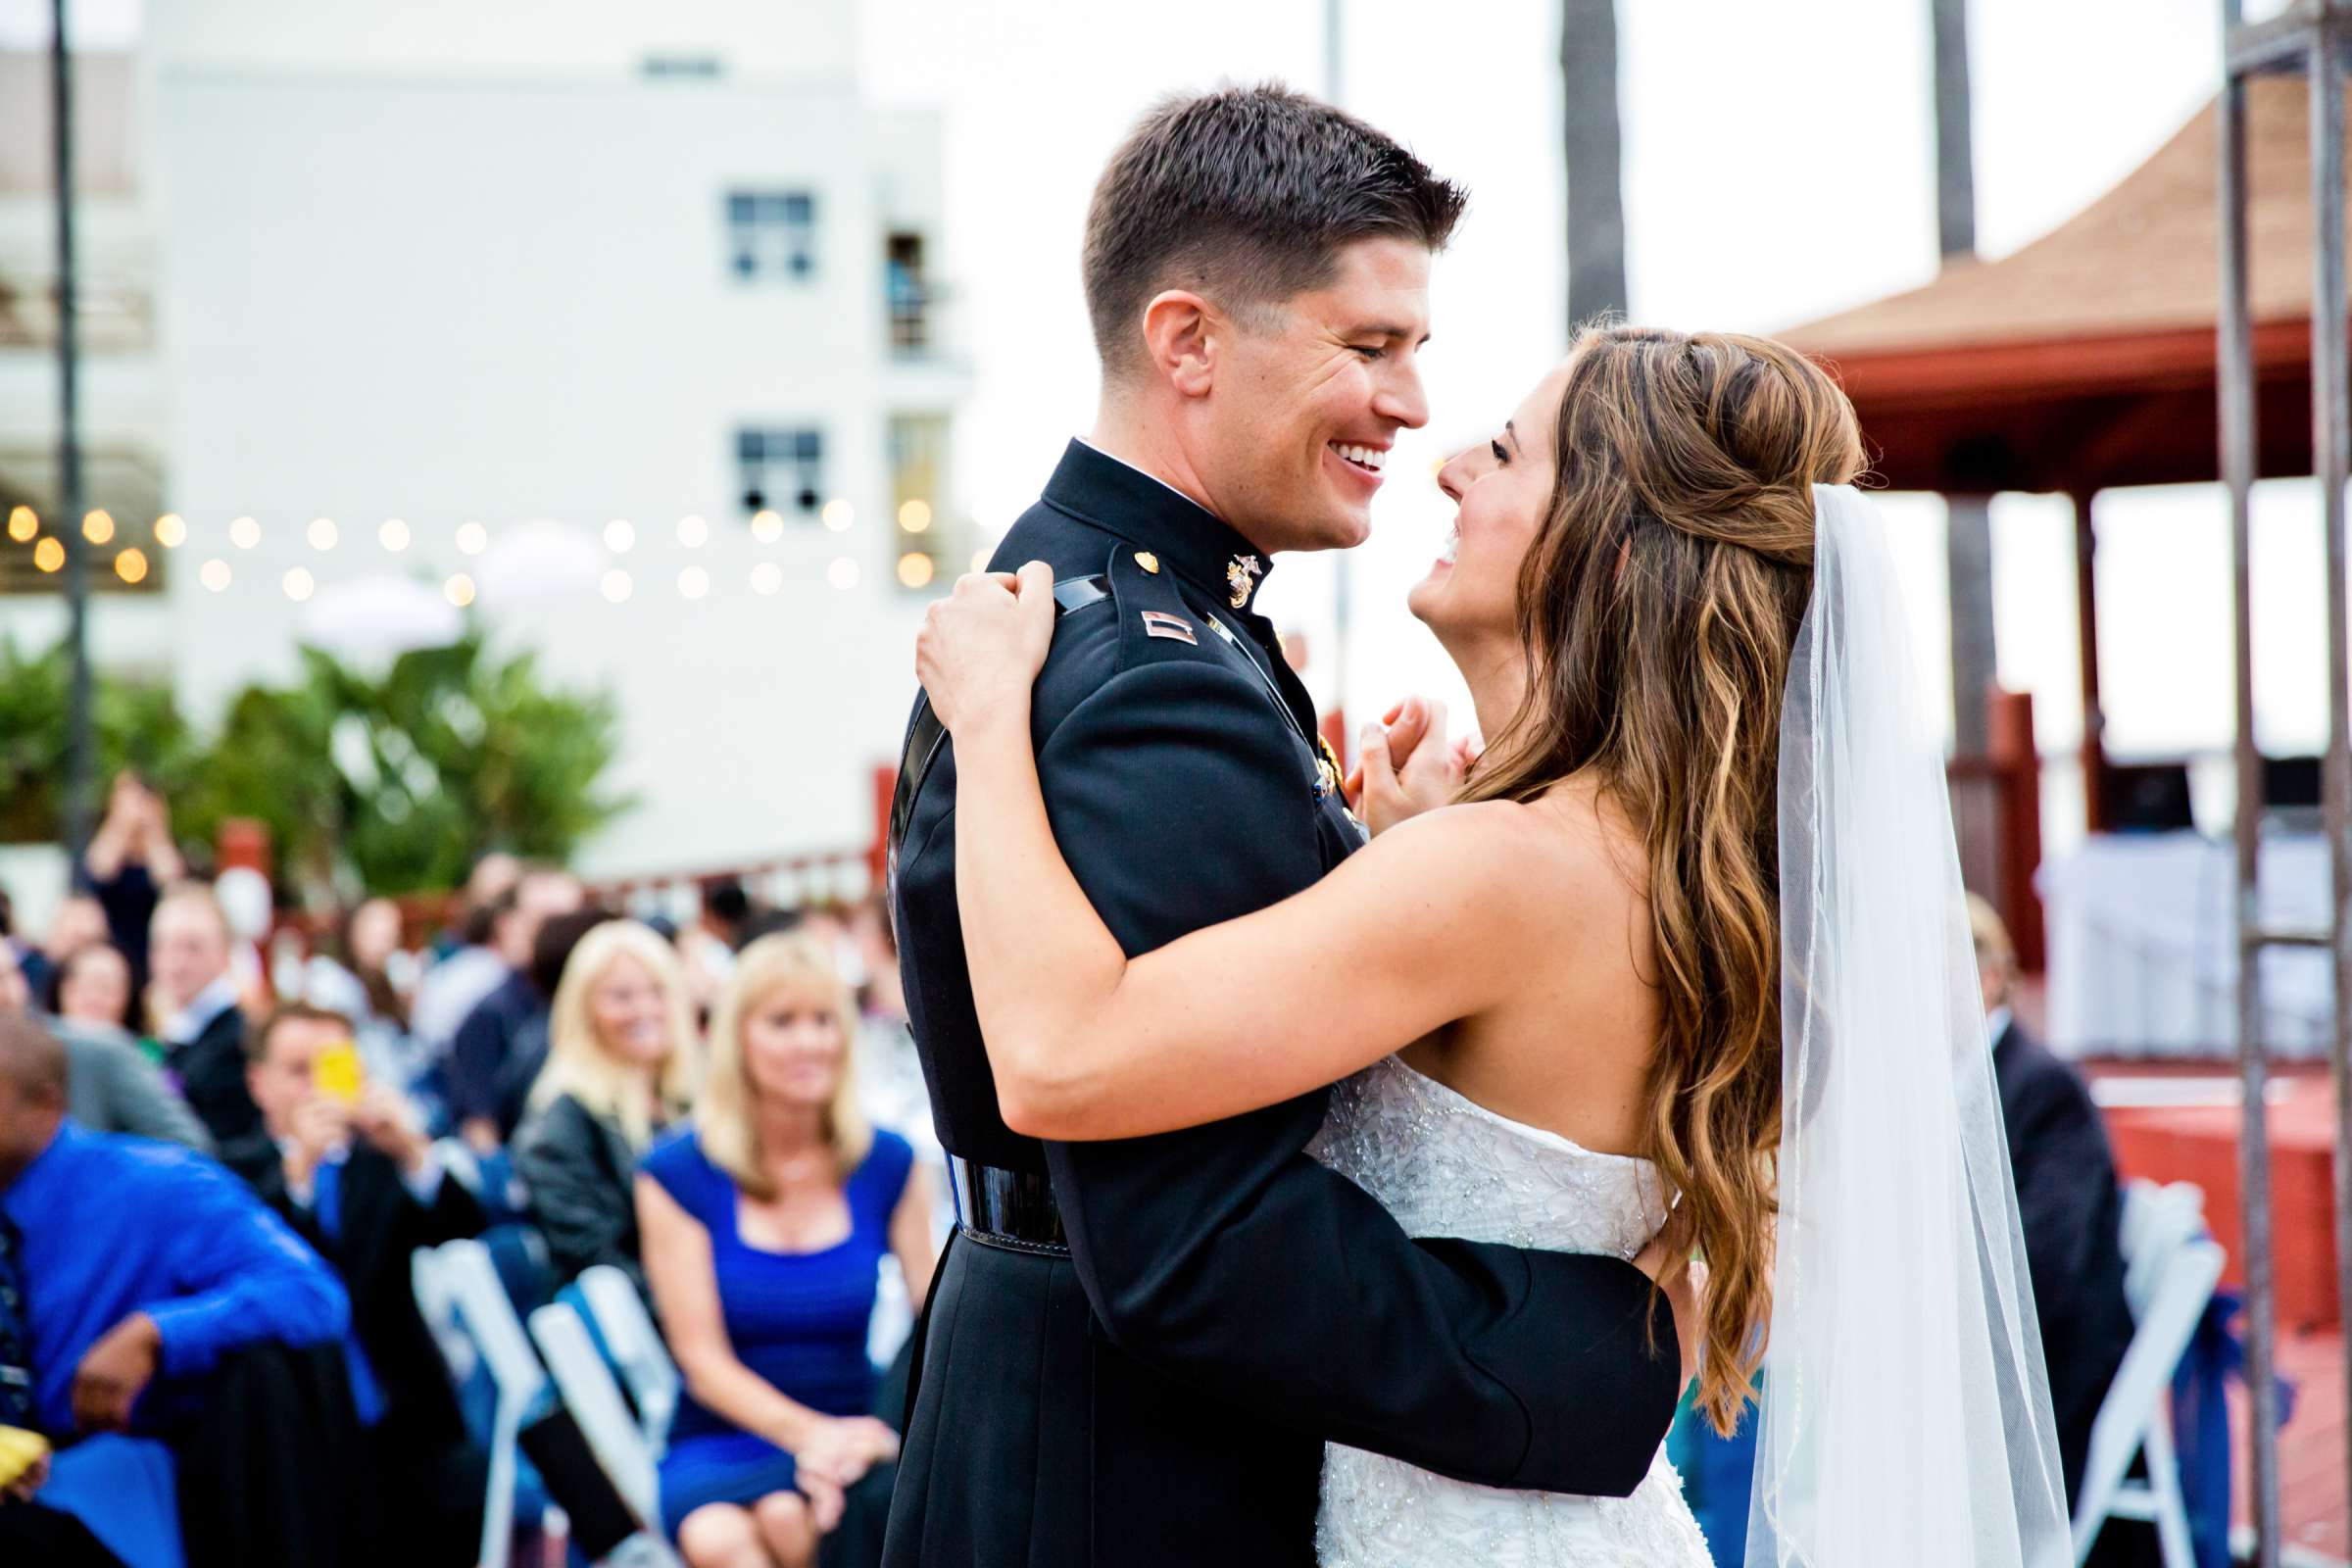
(1446, 1165)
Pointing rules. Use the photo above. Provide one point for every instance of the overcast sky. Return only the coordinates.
(1777, 165)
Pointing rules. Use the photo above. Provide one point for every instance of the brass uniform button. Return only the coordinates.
(1146, 560)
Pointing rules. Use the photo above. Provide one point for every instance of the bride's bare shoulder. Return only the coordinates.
(1573, 843)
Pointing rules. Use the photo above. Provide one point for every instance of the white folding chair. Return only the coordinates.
(2171, 1269)
(595, 1404)
(636, 1347)
(461, 1274)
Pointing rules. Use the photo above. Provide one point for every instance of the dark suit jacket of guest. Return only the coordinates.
(380, 1224)
(2072, 1211)
(211, 1070)
(582, 1175)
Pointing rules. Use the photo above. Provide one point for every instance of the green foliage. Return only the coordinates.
(137, 724)
(395, 782)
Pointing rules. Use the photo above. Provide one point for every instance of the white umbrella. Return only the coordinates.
(378, 616)
(540, 560)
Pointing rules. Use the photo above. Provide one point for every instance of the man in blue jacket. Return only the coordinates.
(128, 1271)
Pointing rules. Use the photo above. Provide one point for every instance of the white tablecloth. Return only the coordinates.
(2143, 947)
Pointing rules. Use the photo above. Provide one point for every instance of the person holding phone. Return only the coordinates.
(359, 1181)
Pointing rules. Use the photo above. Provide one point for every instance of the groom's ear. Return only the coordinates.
(1182, 335)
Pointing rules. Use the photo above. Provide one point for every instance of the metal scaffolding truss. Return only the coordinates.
(2313, 36)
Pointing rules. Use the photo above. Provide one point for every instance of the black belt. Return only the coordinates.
(1007, 1208)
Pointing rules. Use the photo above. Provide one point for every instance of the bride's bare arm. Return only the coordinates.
(1418, 929)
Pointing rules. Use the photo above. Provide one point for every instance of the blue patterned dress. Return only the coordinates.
(797, 1319)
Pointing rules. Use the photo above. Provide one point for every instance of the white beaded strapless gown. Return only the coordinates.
(1447, 1166)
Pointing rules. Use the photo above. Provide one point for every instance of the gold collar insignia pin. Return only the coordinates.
(1241, 575)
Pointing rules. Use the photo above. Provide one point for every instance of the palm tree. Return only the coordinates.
(1968, 541)
(1590, 140)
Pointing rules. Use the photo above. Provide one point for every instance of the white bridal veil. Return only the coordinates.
(1906, 1415)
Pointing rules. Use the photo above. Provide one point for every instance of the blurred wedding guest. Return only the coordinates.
(707, 946)
(619, 1068)
(199, 1022)
(365, 977)
(2068, 1202)
(485, 1044)
(358, 1180)
(889, 1072)
(91, 984)
(129, 1269)
(78, 923)
(461, 968)
(130, 859)
(551, 951)
(110, 1087)
(764, 1223)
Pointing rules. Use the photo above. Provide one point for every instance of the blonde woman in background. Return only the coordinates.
(764, 1224)
(621, 1053)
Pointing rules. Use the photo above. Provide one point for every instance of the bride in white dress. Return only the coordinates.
(1682, 955)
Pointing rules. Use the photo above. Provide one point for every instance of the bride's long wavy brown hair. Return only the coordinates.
(1658, 605)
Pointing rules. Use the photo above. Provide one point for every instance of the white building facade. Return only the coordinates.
(444, 275)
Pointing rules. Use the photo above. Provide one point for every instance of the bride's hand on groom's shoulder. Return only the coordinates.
(982, 646)
(1408, 766)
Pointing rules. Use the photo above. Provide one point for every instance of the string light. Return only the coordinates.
(617, 586)
(321, 533)
(49, 554)
(214, 575)
(170, 530)
(299, 584)
(694, 582)
(22, 523)
(915, 516)
(98, 528)
(619, 537)
(394, 535)
(839, 515)
(244, 533)
(131, 564)
(692, 531)
(766, 577)
(458, 590)
(767, 527)
(472, 539)
(980, 559)
(915, 569)
(843, 573)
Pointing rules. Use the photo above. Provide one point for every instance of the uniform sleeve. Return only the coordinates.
(239, 1276)
(1226, 1255)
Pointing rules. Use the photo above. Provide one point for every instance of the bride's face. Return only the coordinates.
(1500, 487)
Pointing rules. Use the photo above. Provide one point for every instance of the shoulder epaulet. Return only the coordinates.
(1154, 622)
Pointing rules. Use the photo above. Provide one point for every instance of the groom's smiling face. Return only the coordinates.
(1308, 401)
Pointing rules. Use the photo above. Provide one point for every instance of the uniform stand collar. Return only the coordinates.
(1107, 493)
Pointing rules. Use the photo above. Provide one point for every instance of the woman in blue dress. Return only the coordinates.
(764, 1224)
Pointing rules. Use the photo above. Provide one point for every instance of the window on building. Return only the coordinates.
(773, 234)
(908, 294)
(781, 469)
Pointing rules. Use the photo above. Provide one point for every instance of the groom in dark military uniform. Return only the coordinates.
(1135, 1351)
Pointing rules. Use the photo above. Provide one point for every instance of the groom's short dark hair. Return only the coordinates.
(1247, 195)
